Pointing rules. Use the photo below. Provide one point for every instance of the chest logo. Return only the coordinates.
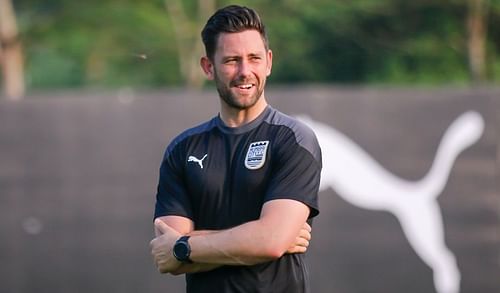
(256, 155)
(196, 160)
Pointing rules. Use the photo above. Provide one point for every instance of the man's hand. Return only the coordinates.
(301, 241)
(162, 246)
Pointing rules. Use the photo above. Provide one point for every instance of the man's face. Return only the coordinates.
(240, 67)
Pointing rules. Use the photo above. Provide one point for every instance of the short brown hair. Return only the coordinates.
(231, 19)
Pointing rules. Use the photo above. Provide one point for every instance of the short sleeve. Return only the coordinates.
(172, 198)
(296, 170)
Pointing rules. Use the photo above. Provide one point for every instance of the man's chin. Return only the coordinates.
(242, 101)
(241, 105)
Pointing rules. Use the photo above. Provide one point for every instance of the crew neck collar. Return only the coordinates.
(246, 127)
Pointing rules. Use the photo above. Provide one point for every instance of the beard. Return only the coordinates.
(233, 101)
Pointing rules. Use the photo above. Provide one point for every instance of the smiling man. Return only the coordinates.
(236, 194)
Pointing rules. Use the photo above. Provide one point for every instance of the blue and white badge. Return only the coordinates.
(256, 155)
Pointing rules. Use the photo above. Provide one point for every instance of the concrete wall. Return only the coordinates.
(78, 173)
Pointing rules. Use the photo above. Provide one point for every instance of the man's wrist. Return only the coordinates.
(182, 249)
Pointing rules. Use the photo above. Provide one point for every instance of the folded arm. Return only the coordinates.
(265, 239)
(281, 228)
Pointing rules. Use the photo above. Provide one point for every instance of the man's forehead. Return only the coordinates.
(248, 41)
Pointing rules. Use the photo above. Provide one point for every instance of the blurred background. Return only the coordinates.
(154, 44)
(93, 91)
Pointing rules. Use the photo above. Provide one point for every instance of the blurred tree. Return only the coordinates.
(97, 43)
(385, 41)
(11, 56)
(156, 43)
(493, 40)
(187, 35)
(476, 43)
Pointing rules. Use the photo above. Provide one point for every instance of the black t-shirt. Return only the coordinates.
(220, 177)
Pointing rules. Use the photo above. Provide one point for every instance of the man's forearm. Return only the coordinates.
(202, 232)
(258, 241)
(196, 267)
(246, 244)
(299, 246)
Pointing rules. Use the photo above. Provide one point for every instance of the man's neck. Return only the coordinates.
(233, 117)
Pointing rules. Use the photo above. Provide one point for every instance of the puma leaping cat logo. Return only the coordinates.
(196, 160)
(360, 180)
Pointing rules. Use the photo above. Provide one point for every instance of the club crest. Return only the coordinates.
(256, 155)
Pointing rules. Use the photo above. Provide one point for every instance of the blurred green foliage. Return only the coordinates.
(100, 43)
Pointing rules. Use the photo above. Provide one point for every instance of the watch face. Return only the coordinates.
(181, 251)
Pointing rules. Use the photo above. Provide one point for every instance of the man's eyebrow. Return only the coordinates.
(238, 57)
(231, 57)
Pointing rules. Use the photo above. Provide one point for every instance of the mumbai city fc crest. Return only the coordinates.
(256, 155)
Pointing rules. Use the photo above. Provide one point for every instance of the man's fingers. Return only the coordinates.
(300, 246)
(297, 249)
(305, 234)
(161, 226)
(301, 242)
(307, 227)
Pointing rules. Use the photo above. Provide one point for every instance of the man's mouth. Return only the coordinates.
(244, 86)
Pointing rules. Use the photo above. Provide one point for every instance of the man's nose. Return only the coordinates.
(244, 69)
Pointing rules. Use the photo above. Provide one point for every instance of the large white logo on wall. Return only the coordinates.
(363, 182)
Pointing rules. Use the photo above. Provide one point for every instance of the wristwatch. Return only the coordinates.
(182, 250)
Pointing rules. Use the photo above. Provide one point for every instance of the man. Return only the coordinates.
(235, 193)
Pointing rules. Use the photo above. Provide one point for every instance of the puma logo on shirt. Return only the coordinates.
(196, 160)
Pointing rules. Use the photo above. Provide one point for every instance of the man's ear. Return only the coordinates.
(208, 67)
(269, 62)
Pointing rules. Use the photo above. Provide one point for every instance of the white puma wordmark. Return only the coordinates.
(196, 160)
